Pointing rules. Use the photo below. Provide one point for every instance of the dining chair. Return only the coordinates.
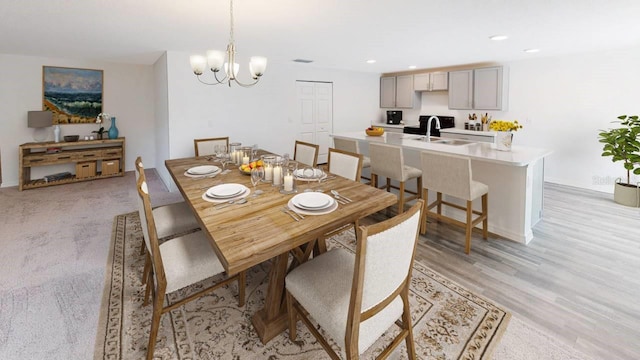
(306, 153)
(348, 165)
(357, 298)
(171, 220)
(454, 178)
(204, 147)
(388, 161)
(176, 264)
(353, 146)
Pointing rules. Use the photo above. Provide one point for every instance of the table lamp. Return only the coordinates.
(39, 120)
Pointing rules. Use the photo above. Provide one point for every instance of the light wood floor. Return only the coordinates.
(579, 278)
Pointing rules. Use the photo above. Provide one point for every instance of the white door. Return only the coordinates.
(315, 111)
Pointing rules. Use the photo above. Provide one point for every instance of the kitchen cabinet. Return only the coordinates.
(396, 91)
(435, 81)
(479, 89)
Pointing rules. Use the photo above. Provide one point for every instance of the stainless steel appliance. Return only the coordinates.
(445, 123)
(394, 117)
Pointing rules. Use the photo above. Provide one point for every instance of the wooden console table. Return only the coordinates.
(107, 153)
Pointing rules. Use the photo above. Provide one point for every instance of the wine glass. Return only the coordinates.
(222, 155)
(257, 174)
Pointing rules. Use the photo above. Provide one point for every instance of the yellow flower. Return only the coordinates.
(503, 125)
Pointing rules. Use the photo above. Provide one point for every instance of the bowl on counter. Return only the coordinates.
(374, 131)
(71, 138)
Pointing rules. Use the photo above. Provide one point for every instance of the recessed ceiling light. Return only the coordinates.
(304, 61)
(412, 67)
(498, 37)
(371, 61)
(530, 51)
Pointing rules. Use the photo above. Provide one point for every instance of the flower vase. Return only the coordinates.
(113, 130)
(503, 140)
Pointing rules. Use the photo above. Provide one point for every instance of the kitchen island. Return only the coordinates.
(515, 178)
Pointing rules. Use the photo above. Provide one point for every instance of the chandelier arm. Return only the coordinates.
(245, 85)
(224, 79)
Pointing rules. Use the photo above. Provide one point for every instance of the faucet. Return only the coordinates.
(429, 126)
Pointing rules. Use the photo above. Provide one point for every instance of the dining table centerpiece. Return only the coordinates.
(504, 133)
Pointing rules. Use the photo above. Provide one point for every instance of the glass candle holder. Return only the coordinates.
(234, 153)
(278, 169)
(245, 155)
(268, 162)
(288, 178)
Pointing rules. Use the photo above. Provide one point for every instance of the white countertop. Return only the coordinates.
(518, 156)
(468, 132)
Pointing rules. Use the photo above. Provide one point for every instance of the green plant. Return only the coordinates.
(622, 144)
(99, 131)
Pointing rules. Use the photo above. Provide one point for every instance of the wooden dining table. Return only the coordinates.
(245, 235)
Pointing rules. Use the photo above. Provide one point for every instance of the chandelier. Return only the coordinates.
(215, 60)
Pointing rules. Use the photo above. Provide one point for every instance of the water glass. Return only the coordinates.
(257, 175)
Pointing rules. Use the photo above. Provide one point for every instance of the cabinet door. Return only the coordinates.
(404, 91)
(439, 81)
(487, 88)
(388, 92)
(460, 89)
(421, 82)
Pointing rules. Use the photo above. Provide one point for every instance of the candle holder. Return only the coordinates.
(268, 163)
(289, 179)
(278, 169)
(234, 153)
(245, 155)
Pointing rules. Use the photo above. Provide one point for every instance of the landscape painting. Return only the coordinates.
(73, 95)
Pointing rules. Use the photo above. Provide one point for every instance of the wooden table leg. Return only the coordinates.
(272, 319)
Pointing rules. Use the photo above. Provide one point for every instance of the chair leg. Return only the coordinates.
(242, 285)
(388, 184)
(155, 324)
(418, 185)
(467, 248)
(293, 317)
(148, 287)
(143, 248)
(147, 268)
(439, 200)
(401, 200)
(374, 180)
(485, 213)
(423, 217)
(406, 322)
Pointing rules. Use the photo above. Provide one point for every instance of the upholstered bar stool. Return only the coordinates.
(353, 147)
(388, 161)
(451, 175)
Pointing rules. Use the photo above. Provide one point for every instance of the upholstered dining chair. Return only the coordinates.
(356, 298)
(388, 161)
(453, 178)
(171, 220)
(176, 264)
(347, 165)
(204, 147)
(353, 146)
(306, 153)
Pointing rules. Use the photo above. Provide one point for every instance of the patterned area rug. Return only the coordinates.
(449, 321)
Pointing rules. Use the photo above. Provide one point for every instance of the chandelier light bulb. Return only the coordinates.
(198, 64)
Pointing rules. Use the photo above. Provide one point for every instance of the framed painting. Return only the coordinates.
(74, 96)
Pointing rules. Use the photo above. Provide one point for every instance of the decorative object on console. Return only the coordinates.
(102, 117)
(113, 130)
(504, 135)
(39, 120)
(74, 96)
(71, 138)
(215, 59)
(622, 145)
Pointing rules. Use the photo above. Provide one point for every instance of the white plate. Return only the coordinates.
(312, 201)
(309, 174)
(213, 174)
(242, 195)
(225, 191)
(313, 212)
(203, 170)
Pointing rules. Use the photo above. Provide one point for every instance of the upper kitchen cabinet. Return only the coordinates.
(396, 91)
(435, 81)
(479, 89)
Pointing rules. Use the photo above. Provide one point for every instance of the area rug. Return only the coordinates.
(449, 321)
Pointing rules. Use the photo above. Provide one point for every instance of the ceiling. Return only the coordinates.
(339, 34)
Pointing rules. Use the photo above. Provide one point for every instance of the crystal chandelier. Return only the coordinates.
(215, 60)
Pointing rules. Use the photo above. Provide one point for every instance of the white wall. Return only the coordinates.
(161, 131)
(563, 102)
(264, 114)
(128, 95)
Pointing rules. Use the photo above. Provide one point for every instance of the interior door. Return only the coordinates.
(315, 111)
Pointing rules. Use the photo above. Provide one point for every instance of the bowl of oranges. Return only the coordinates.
(374, 131)
(246, 168)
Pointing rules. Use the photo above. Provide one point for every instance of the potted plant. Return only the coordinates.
(622, 145)
(99, 133)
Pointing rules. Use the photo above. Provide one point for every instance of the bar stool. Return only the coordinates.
(353, 147)
(388, 161)
(451, 175)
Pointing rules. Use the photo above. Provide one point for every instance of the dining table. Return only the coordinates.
(259, 230)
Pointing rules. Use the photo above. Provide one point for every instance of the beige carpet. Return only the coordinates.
(449, 321)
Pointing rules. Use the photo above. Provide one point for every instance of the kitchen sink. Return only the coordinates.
(451, 142)
(424, 138)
